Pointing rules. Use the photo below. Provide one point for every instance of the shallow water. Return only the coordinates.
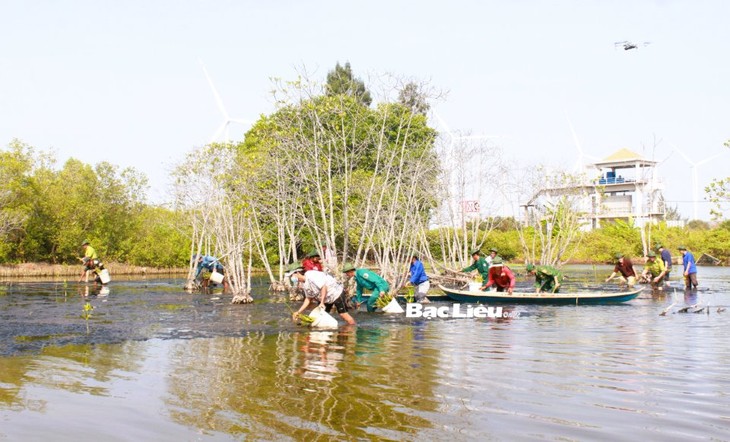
(153, 362)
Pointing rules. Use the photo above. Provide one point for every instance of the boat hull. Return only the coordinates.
(431, 297)
(580, 298)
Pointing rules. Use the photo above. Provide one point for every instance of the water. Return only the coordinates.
(156, 363)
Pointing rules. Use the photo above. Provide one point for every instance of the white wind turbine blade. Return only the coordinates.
(240, 121)
(443, 123)
(710, 158)
(218, 100)
(480, 137)
(579, 164)
(572, 131)
(221, 129)
(692, 163)
(695, 181)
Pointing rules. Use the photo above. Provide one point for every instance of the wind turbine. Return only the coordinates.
(578, 164)
(695, 184)
(455, 138)
(457, 157)
(227, 120)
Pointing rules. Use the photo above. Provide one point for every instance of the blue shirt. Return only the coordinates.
(689, 258)
(667, 258)
(418, 273)
(209, 263)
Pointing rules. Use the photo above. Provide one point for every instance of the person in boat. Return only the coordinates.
(205, 267)
(492, 255)
(91, 263)
(500, 276)
(419, 280)
(689, 268)
(366, 280)
(323, 289)
(625, 268)
(666, 257)
(480, 264)
(312, 262)
(655, 269)
(547, 278)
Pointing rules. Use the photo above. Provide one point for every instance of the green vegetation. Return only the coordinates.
(46, 212)
(718, 192)
(324, 169)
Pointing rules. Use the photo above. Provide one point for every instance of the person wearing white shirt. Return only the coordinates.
(324, 289)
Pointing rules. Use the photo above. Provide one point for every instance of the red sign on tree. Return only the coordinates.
(470, 206)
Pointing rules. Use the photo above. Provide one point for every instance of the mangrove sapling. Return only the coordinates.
(86, 314)
(410, 294)
(383, 300)
(302, 319)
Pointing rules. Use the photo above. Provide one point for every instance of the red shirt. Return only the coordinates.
(308, 264)
(625, 268)
(502, 276)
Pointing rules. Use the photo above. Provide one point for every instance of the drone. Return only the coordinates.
(629, 45)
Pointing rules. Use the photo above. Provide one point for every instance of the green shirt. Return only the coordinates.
(369, 280)
(547, 278)
(482, 266)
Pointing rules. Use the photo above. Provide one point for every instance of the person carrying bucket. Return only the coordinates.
(208, 268)
(92, 263)
(321, 288)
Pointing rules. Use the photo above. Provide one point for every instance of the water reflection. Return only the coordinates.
(84, 369)
(161, 364)
(321, 355)
(302, 385)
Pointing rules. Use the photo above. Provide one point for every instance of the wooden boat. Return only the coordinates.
(540, 298)
(432, 296)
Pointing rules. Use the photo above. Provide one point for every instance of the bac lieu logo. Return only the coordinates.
(415, 310)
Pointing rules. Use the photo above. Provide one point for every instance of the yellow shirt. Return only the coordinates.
(655, 268)
(90, 253)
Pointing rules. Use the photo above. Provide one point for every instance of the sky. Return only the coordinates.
(122, 81)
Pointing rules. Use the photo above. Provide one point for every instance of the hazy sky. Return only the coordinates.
(120, 81)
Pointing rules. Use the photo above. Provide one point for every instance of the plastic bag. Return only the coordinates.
(322, 319)
(393, 307)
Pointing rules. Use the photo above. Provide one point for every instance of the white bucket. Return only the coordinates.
(104, 276)
(216, 277)
(322, 319)
(475, 286)
(393, 307)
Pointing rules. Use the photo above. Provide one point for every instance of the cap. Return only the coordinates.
(312, 254)
(658, 246)
(475, 252)
(681, 248)
(529, 267)
(86, 241)
(347, 267)
(651, 255)
(497, 261)
(293, 268)
(493, 250)
(619, 255)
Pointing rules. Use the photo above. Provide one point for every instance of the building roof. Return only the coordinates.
(624, 158)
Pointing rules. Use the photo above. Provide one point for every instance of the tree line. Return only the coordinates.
(356, 170)
(47, 211)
